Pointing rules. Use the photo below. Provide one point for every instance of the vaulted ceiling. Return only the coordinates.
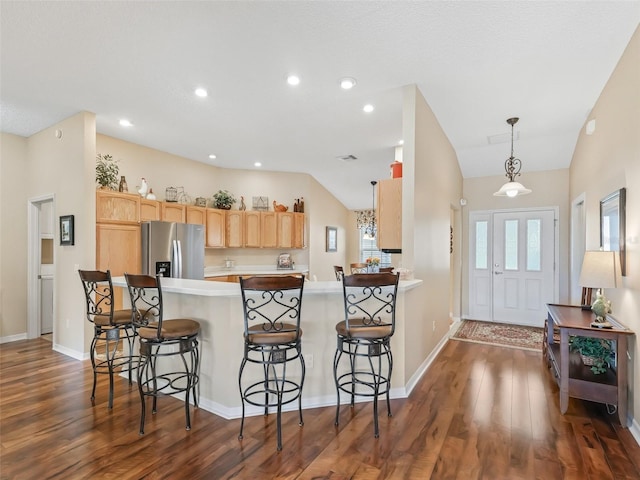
(476, 63)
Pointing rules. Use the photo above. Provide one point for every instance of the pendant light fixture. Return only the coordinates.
(512, 167)
(370, 230)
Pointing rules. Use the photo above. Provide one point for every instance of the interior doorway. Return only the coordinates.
(512, 265)
(41, 267)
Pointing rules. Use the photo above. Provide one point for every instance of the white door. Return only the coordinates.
(512, 268)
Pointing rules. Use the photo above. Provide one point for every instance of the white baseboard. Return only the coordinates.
(13, 338)
(70, 352)
(634, 429)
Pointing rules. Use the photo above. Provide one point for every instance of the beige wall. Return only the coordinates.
(13, 235)
(44, 165)
(605, 162)
(431, 188)
(549, 189)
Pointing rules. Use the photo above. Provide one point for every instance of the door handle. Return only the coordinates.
(498, 273)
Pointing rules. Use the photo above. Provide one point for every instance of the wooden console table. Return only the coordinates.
(577, 380)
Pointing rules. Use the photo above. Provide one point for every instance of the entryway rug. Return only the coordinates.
(501, 334)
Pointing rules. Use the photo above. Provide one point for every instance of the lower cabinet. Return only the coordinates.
(118, 248)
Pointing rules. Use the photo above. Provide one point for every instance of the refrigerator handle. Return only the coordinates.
(175, 258)
(179, 259)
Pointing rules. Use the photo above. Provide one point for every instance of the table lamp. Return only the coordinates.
(601, 270)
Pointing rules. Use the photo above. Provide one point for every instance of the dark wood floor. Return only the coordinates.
(480, 412)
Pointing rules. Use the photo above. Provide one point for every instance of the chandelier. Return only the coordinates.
(370, 229)
(512, 167)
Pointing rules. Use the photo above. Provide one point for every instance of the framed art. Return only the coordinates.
(66, 230)
(612, 224)
(332, 239)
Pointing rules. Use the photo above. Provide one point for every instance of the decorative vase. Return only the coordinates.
(123, 185)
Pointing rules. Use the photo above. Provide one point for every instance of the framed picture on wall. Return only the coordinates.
(66, 230)
(332, 239)
(612, 224)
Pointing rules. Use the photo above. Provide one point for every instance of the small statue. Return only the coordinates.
(296, 205)
(279, 207)
(301, 205)
(601, 306)
(243, 207)
(143, 188)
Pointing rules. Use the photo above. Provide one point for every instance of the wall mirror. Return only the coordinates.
(612, 225)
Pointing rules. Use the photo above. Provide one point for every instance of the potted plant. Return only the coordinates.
(107, 171)
(595, 352)
(223, 199)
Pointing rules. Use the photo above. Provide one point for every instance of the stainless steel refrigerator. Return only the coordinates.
(173, 249)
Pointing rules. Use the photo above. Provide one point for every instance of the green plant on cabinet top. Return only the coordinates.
(107, 171)
(223, 199)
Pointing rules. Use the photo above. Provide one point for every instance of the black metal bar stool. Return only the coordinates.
(272, 334)
(365, 336)
(112, 329)
(162, 339)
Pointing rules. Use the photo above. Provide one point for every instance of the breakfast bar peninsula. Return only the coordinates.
(217, 306)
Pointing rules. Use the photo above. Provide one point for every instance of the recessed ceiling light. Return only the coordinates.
(257, 164)
(348, 83)
(212, 156)
(293, 80)
(125, 123)
(368, 108)
(201, 92)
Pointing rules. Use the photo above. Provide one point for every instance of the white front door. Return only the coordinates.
(512, 266)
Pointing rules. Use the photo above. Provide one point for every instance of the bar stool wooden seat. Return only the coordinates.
(112, 329)
(364, 337)
(339, 271)
(272, 338)
(163, 339)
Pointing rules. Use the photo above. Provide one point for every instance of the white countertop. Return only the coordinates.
(253, 270)
(229, 289)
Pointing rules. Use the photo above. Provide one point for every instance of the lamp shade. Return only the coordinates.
(512, 189)
(601, 270)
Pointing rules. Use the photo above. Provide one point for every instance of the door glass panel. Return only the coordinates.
(511, 245)
(481, 245)
(533, 245)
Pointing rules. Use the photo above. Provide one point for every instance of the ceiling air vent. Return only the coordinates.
(502, 138)
(347, 158)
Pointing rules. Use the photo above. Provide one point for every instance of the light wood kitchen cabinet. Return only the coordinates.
(215, 227)
(285, 229)
(118, 249)
(149, 210)
(116, 207)
(196, 215)
(173, 212)
(252, 226)
(389, 214)
(298, 230)
(268, 230)
(234, 237)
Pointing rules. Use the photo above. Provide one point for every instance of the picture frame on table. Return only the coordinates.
(612, 224)
(66, 230)
(332, 239)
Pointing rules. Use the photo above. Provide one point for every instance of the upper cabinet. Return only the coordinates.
(389, 213)
(216, 226)
(116, 207)
(196, 215)
(149, 210)
(252, 226)
(173, 212)
(298, 230)
(234, 237)
(269, 230)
